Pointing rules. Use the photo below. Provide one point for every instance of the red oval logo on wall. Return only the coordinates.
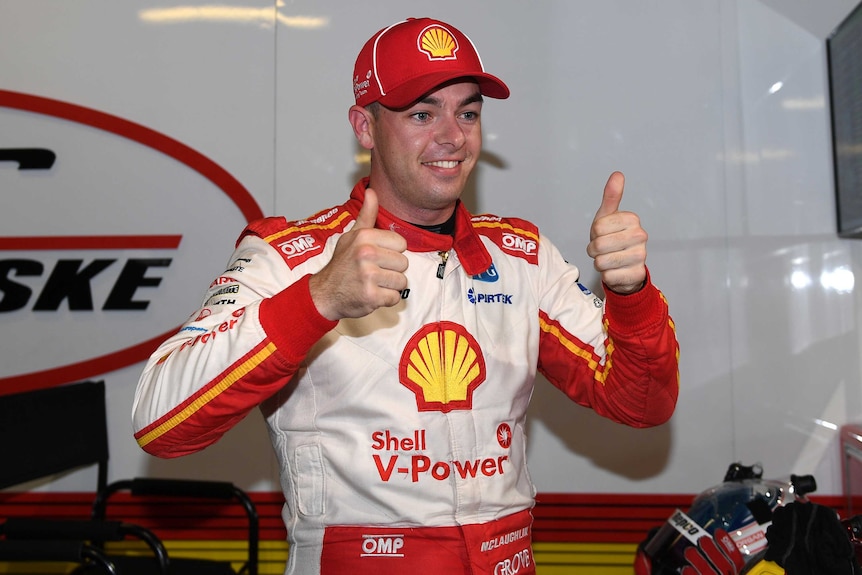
(104, 240)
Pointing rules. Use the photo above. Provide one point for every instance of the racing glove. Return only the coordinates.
(716, 555)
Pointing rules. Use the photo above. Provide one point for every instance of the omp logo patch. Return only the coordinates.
(382, 545)
(521, 244)
(443, 365)
(514, 236)
(299, 246)
(297, 242)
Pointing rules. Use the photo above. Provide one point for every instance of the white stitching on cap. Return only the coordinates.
(374, 56)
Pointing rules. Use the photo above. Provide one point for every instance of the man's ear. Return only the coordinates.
(362, 122)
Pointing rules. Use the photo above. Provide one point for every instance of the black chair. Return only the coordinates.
(184, 491)
(44, 433)
(37, 539)
(60, 551)
(47, 432)
(50, 431)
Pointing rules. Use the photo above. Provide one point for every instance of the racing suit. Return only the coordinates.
(400, 435)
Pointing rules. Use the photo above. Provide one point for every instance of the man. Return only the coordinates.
(392, 342)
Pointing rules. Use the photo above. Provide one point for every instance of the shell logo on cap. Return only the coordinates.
(443, 365)
(438, 43)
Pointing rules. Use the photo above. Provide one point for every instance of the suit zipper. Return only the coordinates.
(441, 267)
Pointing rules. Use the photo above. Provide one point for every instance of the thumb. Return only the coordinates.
(612, 195)
(368, 213)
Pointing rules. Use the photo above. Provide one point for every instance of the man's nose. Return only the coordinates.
(450, 132)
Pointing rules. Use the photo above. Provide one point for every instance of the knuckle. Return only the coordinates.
(402, 283)
(404, 264)
(365, 251)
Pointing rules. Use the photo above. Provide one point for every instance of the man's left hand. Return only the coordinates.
(618, 242)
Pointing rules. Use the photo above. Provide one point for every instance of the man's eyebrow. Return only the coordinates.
(437, 102)
(477, 97)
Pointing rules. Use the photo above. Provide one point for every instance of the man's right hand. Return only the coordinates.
(366, 270)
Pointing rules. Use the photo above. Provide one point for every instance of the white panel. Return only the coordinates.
(794, 330)
(730, 186)
(730, 175)
(199, 78)
(818, 18)
(596, 87)
(631, 94)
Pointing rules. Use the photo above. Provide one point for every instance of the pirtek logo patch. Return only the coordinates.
(477, 298)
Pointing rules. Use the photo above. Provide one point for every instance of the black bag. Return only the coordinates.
(808, 539)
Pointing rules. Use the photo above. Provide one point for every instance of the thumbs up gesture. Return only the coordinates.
(617, 241)
(366, 270)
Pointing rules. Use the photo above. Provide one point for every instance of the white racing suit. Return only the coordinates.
(400, 435)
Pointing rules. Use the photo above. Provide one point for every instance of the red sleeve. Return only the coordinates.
(292, 325)
(292, 321)
(633, 378)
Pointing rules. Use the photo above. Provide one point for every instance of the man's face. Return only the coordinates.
(423, 155)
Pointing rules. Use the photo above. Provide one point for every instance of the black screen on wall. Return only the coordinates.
(844, 56)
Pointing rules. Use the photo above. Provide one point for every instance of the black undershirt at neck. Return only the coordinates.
(446, 228)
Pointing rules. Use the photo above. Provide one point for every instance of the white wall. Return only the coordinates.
(732, 180)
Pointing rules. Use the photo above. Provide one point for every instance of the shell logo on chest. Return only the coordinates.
(443, 365)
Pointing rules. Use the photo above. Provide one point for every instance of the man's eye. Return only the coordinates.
(421, 116)
(470, 115)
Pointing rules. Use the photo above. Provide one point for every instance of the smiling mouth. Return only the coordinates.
(443, 164)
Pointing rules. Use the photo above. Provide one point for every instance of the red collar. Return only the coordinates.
(467, 243)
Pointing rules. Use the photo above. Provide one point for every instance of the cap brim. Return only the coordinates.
(415, 89)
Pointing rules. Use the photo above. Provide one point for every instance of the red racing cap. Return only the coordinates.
(405, 61)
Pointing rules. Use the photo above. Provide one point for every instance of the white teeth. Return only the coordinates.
(443, 164)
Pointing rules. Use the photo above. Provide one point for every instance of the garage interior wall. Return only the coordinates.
(716, 111)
